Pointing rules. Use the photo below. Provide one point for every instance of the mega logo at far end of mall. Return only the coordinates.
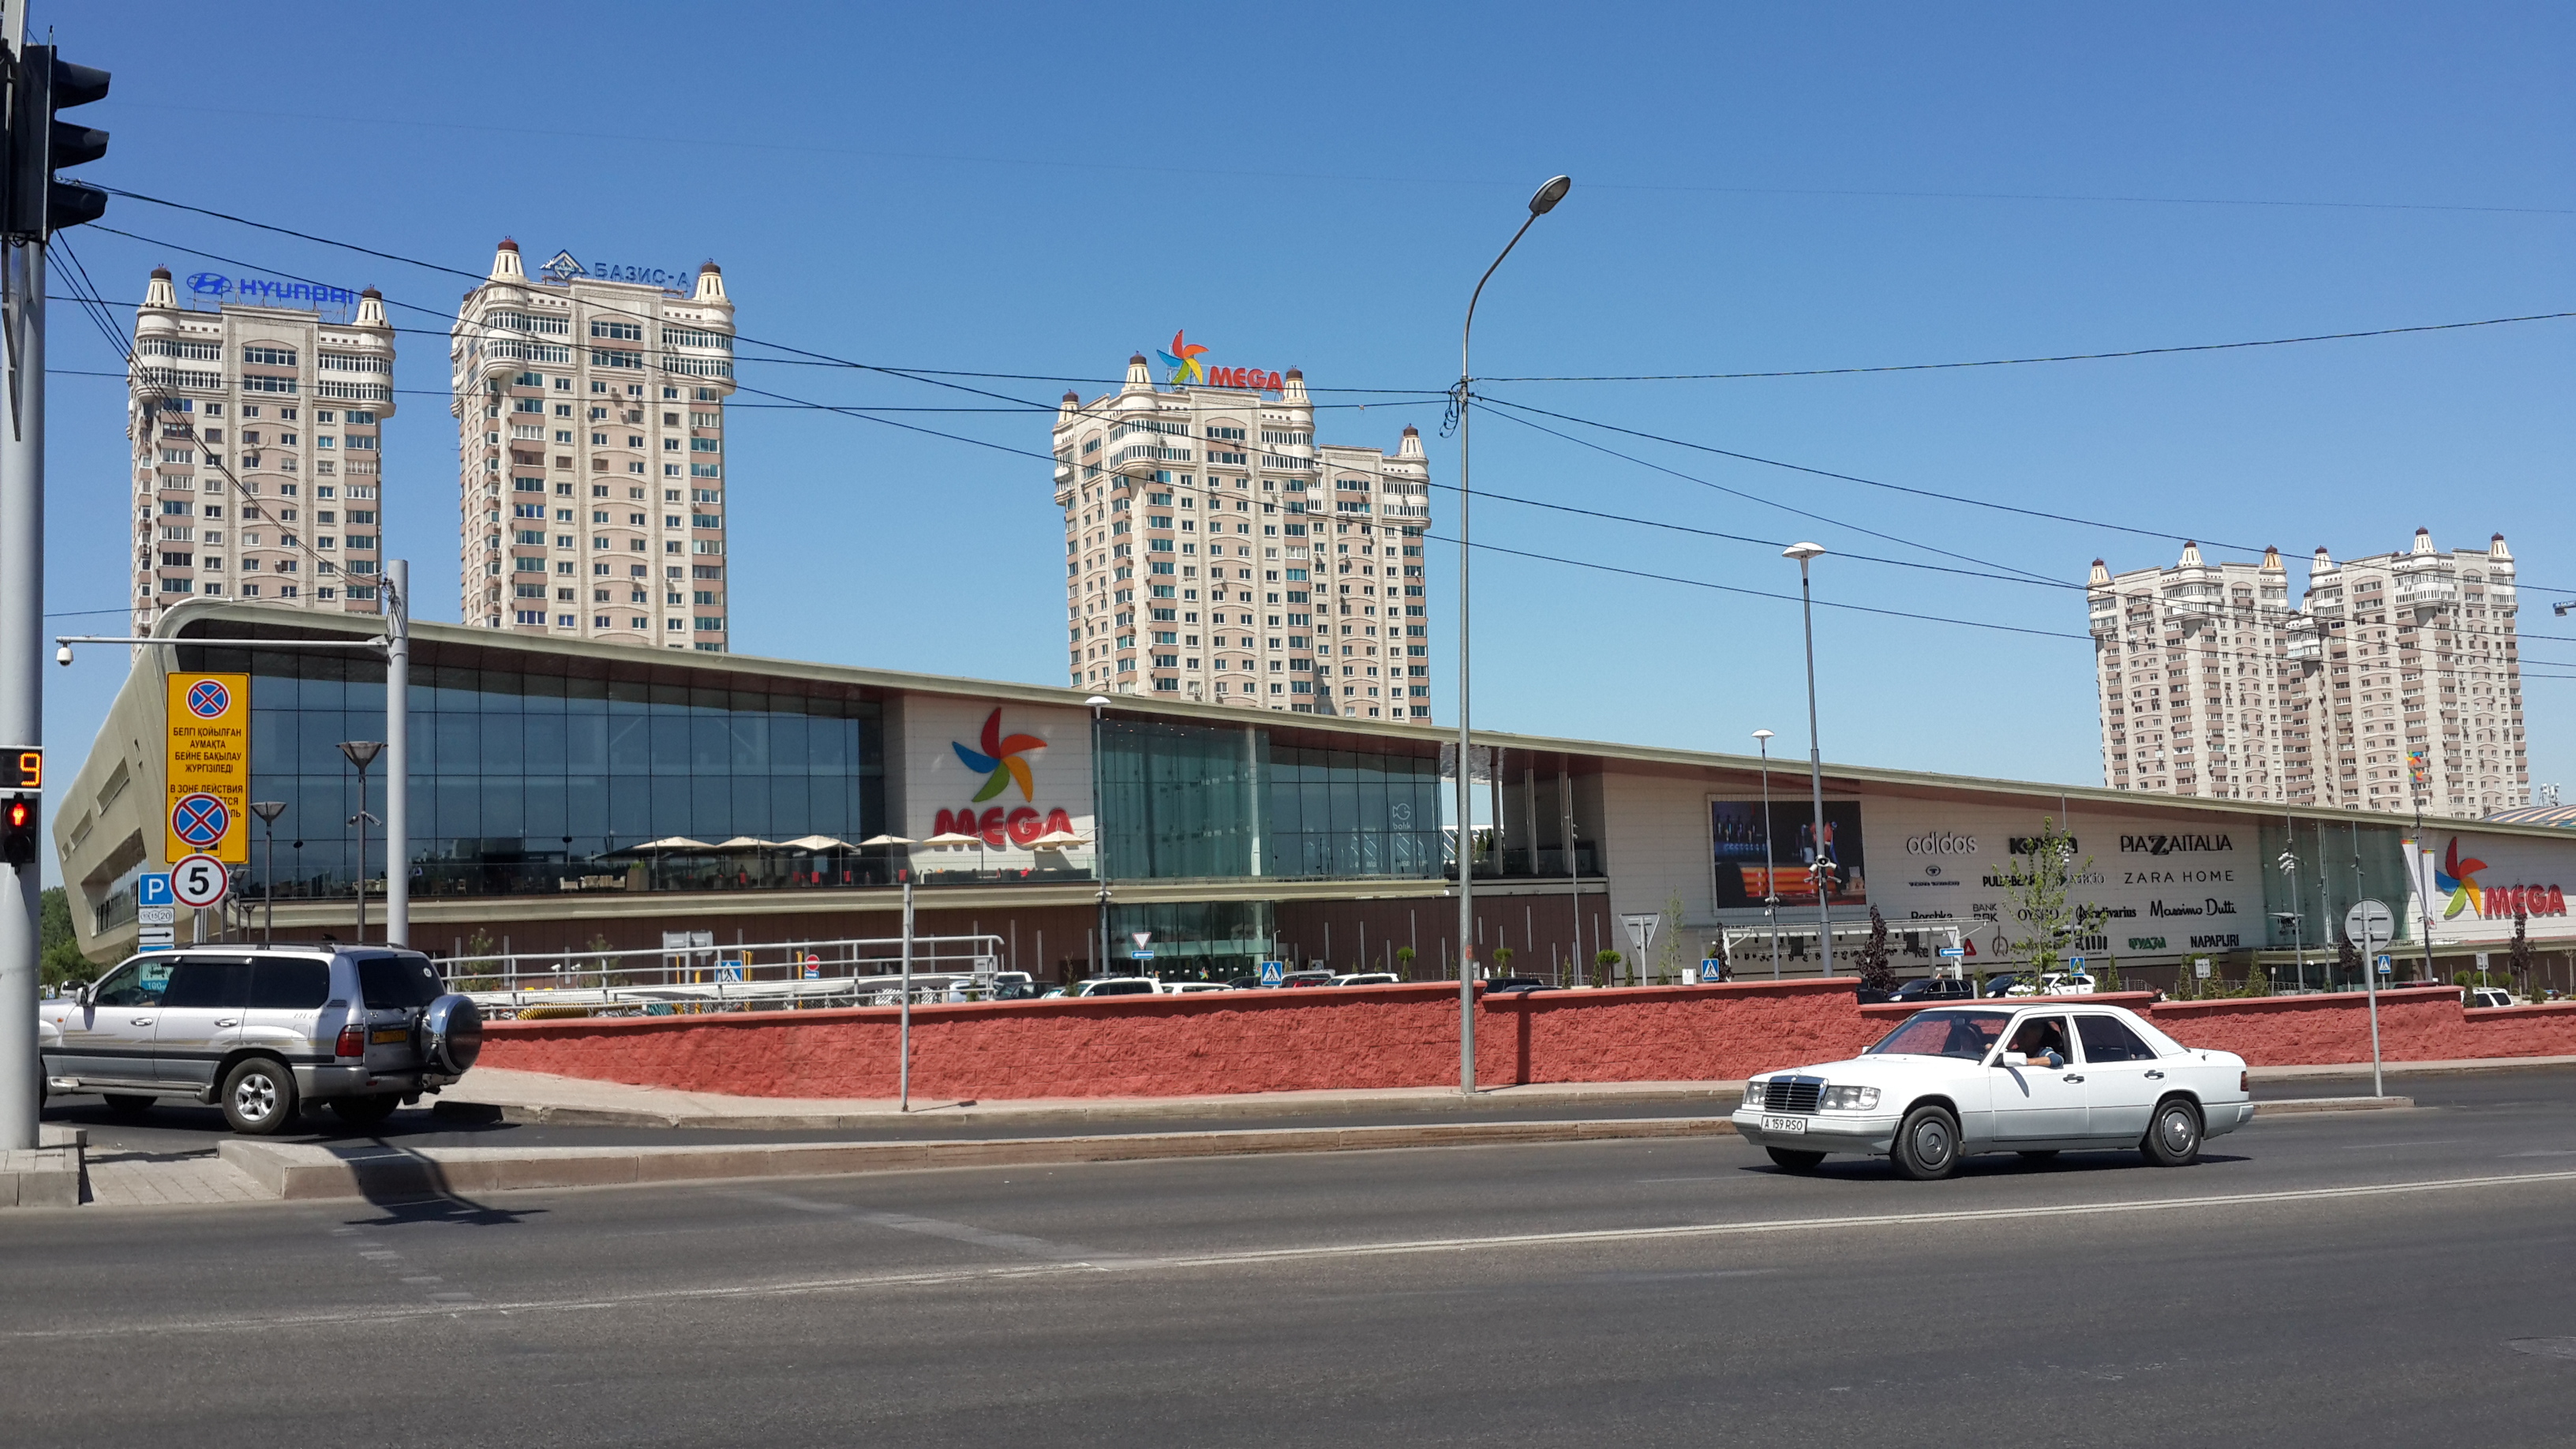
(2459, 877)
(1003, 761)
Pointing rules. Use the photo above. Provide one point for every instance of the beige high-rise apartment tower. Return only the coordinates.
(254, 433)
(1213, 551)
(590, 441)
(2395, 683)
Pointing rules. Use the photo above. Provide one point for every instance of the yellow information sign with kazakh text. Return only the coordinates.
(209, 774)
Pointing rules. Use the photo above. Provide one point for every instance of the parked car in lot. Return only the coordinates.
(1936, 988)
(262, 1031)
(1192, 988)
(1306, 978)
(1366, 978)
(2486, 996)
(1523, 984)
(2031, 1078)
(1118, 986)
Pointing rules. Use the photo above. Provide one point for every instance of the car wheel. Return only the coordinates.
(2039, 1154)
(2173, 1137)
(1791, 1160)
(259, 1097)
(1927, 1145)
(126, 1104)
(364, 1111)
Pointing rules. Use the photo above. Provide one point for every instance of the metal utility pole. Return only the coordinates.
(1770, 884)
(1099, 832)
(1803, 552)
(1541, 203)
(395, 595)
(22, 677)
(903, 1071)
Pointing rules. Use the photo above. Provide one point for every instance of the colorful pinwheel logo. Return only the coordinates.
(2460, 878)
(1183, 360)
(1000, 760)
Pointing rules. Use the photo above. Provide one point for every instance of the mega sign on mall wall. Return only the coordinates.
(2476, 886)
(1185, 367)
(1005, 762)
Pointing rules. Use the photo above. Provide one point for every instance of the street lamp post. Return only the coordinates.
(268, 811)
(361, 753)
(1541, 202)
(1099, 827)
(1803, 552)
(1770, 886)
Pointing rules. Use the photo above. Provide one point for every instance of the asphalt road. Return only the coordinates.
(2363, 1279)
(182, 1128)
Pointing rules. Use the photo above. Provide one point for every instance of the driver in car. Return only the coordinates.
(2043, 1041)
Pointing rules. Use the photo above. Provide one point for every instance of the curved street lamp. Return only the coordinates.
(1803, 552)
(1541, 202)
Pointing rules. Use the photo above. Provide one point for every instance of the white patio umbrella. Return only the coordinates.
(750, 842)
(669, 843)
(949, 838)
(817, 844)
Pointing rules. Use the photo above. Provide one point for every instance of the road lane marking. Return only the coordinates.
(1259, 1257)
(1019, 1243)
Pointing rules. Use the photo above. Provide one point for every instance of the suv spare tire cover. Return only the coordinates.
(453, 1027)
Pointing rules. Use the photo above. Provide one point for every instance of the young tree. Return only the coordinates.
(1404, 962)
(1668, 966)
(2042, 883)
(1876, 971)
(2348, 959)
(1608, 961)
(2518, 960)
(1503, 960)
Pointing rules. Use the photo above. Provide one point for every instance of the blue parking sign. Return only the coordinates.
(153, 889)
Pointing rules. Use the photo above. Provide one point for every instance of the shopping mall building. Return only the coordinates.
(568, 794)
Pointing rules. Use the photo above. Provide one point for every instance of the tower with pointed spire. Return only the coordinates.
(591, 477)
(2395, 683)
(1215, 552)
(254, 432)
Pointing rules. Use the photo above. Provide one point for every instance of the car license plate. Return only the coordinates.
(390, 1035)
(1793, 1126)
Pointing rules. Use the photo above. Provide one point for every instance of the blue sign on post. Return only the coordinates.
(1273, 972)
(1142, 954)
(153, 889)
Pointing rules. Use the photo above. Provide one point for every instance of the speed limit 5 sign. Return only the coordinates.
(199, 881)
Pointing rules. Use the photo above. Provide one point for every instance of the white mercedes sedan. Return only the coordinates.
(2037, 1077)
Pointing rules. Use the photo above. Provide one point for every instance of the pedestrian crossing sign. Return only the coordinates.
(1273, 972)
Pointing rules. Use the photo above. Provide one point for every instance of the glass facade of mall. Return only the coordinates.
(542, 773)
(1184, 801)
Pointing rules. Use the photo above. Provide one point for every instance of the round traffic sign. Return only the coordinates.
(199, 881)
(200, 819)
(2370, 924)
(208, 699)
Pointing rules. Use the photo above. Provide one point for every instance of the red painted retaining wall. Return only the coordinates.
(1405, 1036)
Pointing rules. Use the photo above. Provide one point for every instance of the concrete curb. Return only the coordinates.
(2291, 1106)
(301, 1172)
(1250, 1107)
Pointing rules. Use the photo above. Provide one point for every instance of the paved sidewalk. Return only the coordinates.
(153, 1179)
(542, 1097)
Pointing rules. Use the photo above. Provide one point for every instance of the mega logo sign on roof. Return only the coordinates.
(1004, 761)
(1185, 367)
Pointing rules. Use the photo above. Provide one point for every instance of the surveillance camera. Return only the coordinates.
(2562, 607)
(63, 655)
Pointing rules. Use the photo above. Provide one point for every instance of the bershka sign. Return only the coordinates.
(2174, 844)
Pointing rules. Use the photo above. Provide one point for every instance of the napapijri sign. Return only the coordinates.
(261, 289)
(2173, 844)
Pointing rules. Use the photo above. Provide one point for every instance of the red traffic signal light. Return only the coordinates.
(18, 830)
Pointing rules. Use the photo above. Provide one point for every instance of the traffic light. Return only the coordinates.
(38, 204)
(18, 831)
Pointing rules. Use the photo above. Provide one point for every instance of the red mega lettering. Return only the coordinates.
(1249, 378)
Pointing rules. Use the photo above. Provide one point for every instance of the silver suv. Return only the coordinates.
(262, 1030)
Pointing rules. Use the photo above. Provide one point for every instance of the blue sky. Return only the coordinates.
(1036, 190)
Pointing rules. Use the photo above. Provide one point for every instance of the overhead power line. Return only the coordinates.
(2057, 357)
